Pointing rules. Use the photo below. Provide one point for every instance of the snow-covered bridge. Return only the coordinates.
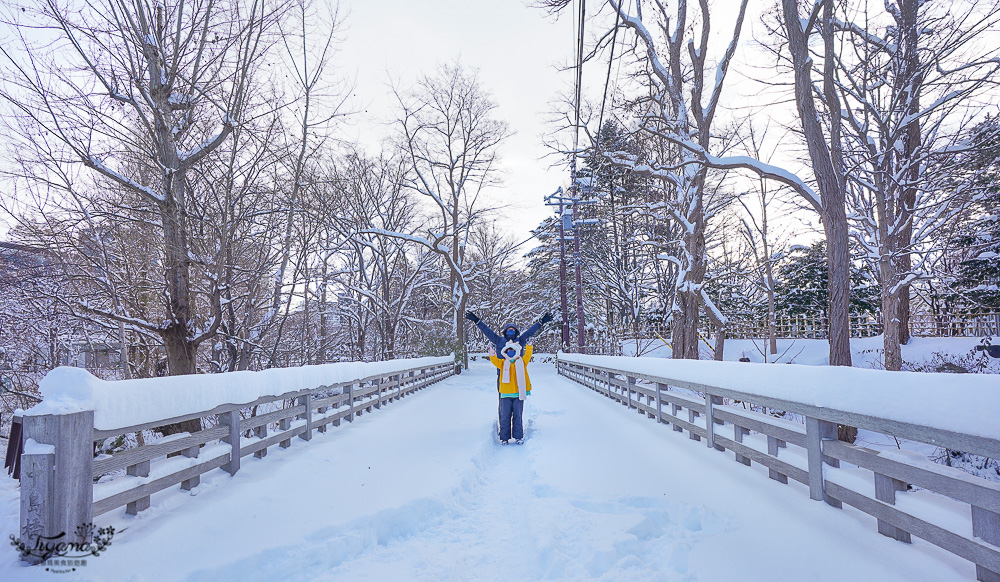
(420, 491)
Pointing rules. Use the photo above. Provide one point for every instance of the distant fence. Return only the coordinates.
(801, 326)
(58, 466)
(815, 455)
(816, 326)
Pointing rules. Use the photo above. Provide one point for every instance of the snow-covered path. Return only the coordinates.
(419, 491)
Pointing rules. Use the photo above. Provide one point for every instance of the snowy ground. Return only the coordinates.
(419, 491)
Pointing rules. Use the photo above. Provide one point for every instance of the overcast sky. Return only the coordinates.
(517, 50)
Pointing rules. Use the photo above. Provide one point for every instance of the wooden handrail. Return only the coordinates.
(892, 474)
(58, 493)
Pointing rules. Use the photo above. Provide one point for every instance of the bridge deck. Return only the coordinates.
(420, 491)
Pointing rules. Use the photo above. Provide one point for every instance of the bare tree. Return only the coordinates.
(500, 290)
(140, 95)
(387, 271)
(449, 139)
(756, 227)
(317, 103)
(681, 109)
(682, 120)
(909, 74)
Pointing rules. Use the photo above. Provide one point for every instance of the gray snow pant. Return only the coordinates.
(510, 418)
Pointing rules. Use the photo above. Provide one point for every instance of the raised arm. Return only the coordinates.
(526, 335)
(491, 335)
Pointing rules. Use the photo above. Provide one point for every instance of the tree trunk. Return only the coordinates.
(180, 348)
(460, 334)
(182, 357)
(909, 10)
(772, 329)
(891, 330)
(684, 328)
(828, 169)
(720, 334)
(839, 265)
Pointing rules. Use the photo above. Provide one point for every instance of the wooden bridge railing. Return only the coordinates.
(810, 453)
(59, 472)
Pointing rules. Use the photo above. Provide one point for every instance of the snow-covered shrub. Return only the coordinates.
(984, 467)
(951, 363)
(972, 362)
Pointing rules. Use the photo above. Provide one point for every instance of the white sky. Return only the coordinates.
(517, 50)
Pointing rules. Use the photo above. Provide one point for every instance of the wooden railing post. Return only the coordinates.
(659, 401)
(629, 386)
(885, 491)
(261, 433)
(816, 432)
(306, 400)
(37, 497)
(232, 420)
(141, 504)
(189, 484)
(738, 433)
(692, 417)
(710, 421)
(283, 425)
(57, 492)
(986, 526)
(322, 425)
(773, 444)
(350, 401)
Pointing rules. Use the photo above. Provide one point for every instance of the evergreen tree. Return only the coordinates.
(802, 286)
(977, 278)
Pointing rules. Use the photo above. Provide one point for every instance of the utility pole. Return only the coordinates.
(581, 328)
(569, 222)
(563, 224)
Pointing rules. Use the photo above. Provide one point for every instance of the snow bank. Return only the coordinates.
(865, 352)
(963, 403)
(131, 402)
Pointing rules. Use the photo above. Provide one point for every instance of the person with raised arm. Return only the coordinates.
(510, 353)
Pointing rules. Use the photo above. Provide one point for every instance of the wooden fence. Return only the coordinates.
(59, 469)
(801, 326)
(816, 327)
(800, 451)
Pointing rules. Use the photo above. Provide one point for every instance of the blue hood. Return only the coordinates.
(503, 331)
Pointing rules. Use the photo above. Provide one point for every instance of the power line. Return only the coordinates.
(607, 79)
(579, 81)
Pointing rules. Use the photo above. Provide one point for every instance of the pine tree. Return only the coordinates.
(977, 279)
(802, 287)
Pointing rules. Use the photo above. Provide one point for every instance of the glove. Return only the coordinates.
(471, 317)
(546, 318)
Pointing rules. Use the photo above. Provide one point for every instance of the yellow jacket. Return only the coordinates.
(509, 389)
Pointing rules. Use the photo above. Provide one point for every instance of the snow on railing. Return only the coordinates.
(906, 492)
(58, 494)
